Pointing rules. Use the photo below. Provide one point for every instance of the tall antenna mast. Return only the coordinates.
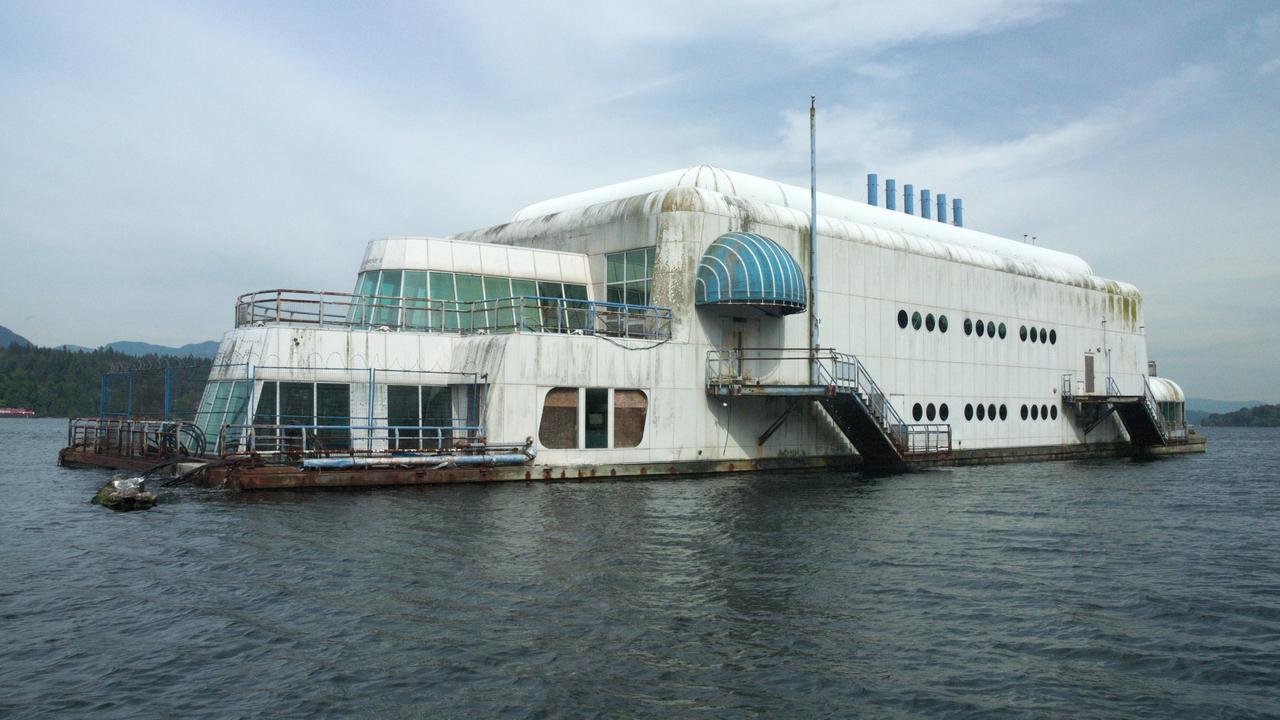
(813, 235)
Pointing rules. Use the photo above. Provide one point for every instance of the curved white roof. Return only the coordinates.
(1166, 390)
(479, 258)
(762, 190)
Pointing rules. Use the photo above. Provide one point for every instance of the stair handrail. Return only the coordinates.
(847, 371)
(1153, 409)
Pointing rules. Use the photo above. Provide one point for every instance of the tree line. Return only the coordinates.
(67, 383)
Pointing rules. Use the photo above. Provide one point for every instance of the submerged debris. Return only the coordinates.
(124, 494)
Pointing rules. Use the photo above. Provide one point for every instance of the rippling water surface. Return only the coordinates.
(1086, 589)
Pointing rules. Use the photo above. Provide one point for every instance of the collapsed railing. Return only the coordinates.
(826, 367)
(130, 438)
(415, 314)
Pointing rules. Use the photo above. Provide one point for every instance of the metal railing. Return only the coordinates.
(1168, 430)
(300, 440)
(478, 317)
(828, 368)
(132, 438)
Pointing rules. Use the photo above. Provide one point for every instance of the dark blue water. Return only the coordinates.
(1089, 589)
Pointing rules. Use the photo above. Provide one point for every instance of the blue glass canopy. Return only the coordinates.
(742, 268)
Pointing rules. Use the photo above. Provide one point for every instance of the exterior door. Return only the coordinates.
(1088, 374)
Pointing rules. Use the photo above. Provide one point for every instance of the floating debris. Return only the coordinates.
(124, 494)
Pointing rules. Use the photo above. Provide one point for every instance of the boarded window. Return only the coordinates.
(629, 409)
(558, 428)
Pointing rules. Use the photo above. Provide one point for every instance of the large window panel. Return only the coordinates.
(576, 304)
(470, 290)
(366, 285)
(442, 288)
(553, 319)
(530, 316)
(500, 315)
(402, 413)
(415, 303)
(437, 412)
(558, 428)
(333, 407)
(629, 410)
(387, 306)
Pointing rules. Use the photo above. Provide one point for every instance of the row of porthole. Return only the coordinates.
(989, 329)
(942, 412)
(1040, 412)
(1050, 337)
(927, 321)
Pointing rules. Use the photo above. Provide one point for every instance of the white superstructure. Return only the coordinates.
(595, 324)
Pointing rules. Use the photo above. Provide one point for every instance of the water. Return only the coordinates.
(1104, 589)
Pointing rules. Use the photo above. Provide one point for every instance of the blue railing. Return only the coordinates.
(477, 317)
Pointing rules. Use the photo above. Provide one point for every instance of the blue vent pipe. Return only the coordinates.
(957, 212)
(942, 207)
(926, 211)
(873, 188)
(909, 199)
(891, 194)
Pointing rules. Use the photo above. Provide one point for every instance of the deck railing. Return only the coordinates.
(478, 317)
(134, 438)
(342, 440)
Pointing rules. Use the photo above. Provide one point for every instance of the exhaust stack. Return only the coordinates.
(957, 213)
(909, 199)
(942, 208)
(891, 194)
(926, 211)
(873, 189)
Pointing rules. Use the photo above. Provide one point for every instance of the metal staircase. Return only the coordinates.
(840, 383)
(1139, 414)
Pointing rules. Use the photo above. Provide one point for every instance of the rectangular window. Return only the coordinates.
(442, 289)
(333, 408)
(223, 403)
(629, 276)
(530, 317)
(415, 303)
(437, 412)
(402, 415)
(366, 285)
(553, 319)
(499, 317)
(597, 407)
(470, 290)
(387, 306)
(576, 304)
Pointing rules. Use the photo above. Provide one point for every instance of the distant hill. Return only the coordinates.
(9, 337)
(1220, 406)
(1259, 416)
(206, 349)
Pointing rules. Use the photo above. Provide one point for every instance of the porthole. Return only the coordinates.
(903, 319)
(928, 322)
(1004, 412)
(916, 320)
(1044, 336)
(942, 323)
(943, 412)
(1044, 412)
(968, 326)
(982, 412)
(968, 411)
(991, 329)
(1035, 412)
(930, 412)
(1053, 412)
(1033, 333)
(1022, 331)
(982, 329)
(991, 411)
(1025, 411)
(1053, 337)
(917, 411)
(1001, 331)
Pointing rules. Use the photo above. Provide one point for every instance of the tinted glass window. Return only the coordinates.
(1025, 411)
(1053, 337)
(991, 329)
(1044, 411)
(1044, 336)
(1002, 330)
(1022, 333)
(991, 411)
(982, 329)
(968, 326)
(982, 412)
(1004, 412)
(1035, 412)
(1033, 333)
(944, 412)
(942, 323)
(917, 411)
(1053, 412)
(903, 319)
(928, 322)
(968, 411)
(930, 411)
(597, 402)
(916, 320)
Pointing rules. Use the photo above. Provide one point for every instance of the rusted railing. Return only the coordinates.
(412, 314)
(125, 437)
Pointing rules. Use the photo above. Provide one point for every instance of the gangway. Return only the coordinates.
(840, 383)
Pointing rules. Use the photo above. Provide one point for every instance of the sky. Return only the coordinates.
(157, 160)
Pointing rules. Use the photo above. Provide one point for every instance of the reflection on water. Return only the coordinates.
(1098, 589)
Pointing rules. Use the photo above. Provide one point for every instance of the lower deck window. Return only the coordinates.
(419, 416)
(608, 418)
(223, 403)
(299, 414)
